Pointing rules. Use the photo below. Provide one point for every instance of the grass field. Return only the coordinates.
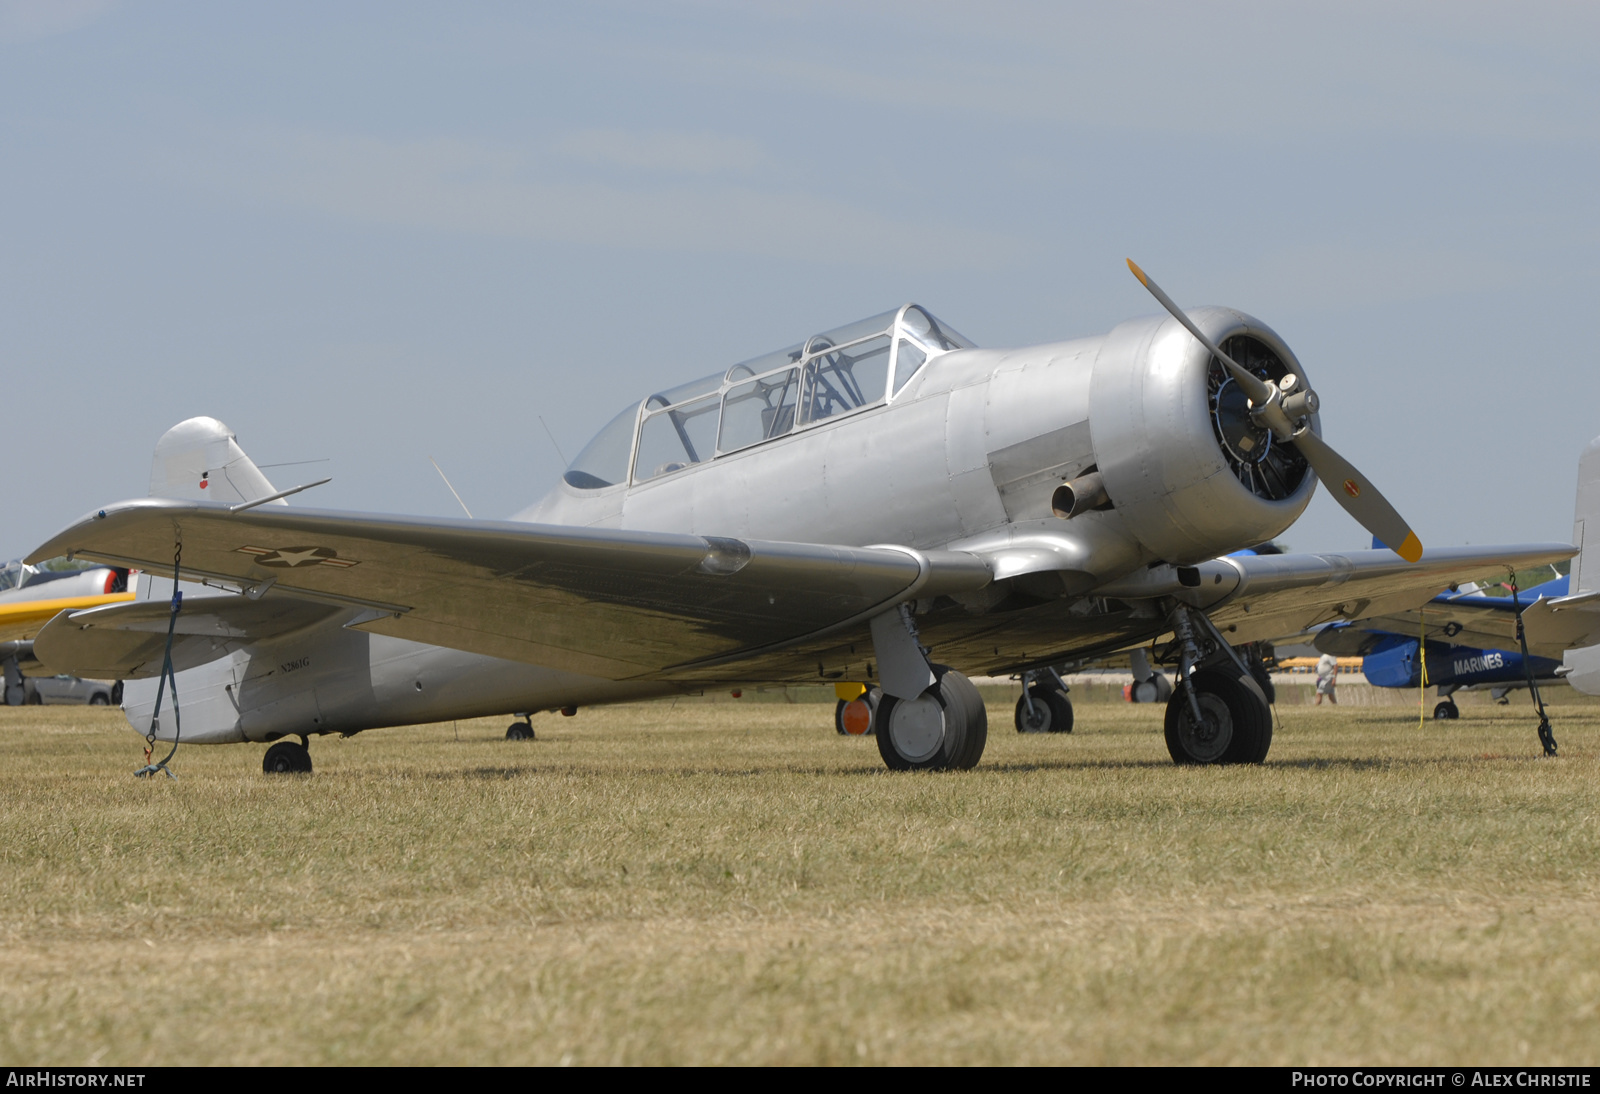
(731, 882)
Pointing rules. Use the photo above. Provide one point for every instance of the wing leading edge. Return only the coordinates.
(603, 602)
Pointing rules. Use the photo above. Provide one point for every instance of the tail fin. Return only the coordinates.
(199, 460)
(1586, 522)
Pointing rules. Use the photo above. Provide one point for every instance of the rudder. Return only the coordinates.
(200, 460)
(1586, 522)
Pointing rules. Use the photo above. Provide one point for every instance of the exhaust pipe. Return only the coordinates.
(1082, 494)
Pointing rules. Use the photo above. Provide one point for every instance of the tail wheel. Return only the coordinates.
(287, 758)
(944, 727)
(1235, 725)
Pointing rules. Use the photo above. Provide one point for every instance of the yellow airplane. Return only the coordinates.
(30, 597)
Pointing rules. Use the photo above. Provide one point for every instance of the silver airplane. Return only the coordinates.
(882, 505)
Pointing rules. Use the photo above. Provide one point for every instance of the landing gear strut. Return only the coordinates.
(287, 758)
(1218, 714)
(945, 727)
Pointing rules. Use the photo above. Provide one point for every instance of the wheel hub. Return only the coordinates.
(1208, 740)
(916, 726)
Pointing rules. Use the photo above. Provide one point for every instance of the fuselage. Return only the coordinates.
(929, 444)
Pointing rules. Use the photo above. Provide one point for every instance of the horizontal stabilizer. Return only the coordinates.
(127, 641)
(1564, 623)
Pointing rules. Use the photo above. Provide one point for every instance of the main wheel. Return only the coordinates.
(977, 735)
(1258, 673)
(1152, 689)
(1446, 711)
(853, 717)
(1236, 725)
(287, 758)
(99, 699)
(944, 727)
(519, 731)
(1052, 711)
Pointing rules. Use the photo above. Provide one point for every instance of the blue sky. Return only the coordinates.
(374, 233)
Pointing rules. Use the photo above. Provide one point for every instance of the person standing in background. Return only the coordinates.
(1327, 678)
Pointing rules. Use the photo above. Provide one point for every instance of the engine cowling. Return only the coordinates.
(1188, 471)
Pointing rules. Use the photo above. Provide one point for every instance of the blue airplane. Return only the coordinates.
(1470, 641)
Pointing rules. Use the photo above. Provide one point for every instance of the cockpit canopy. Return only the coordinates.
(838, 372)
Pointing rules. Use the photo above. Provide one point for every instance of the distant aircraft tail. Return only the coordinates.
(1586, 522)
(200, 460)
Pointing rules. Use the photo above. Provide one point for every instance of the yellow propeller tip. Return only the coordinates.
(1411, 549)
(1137, 272)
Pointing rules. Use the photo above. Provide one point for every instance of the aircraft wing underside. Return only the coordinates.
(128, 641)
(1552, 626)
(626, 605)
(603, 602)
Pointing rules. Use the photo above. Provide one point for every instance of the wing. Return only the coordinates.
(1552, 625)
(127, 641)
(609, 603)
(21, 620)
(1281, 595)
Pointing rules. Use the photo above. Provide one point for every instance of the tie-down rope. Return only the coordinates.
(167, 673)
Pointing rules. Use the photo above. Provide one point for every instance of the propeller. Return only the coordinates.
(1286, 411)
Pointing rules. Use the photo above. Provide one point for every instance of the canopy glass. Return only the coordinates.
(835, 373)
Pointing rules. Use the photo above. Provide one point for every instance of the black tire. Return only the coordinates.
(116, 693)
(99, 699)
(931, 732)
(287, 758)
(1238, 721)
(1258, 673)
(1052, 710)
(838, 716)
(1152, 689)
(36, 700)
(1446, 711)
(977, 734)
(519, 731)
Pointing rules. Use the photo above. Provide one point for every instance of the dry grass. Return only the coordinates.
(731, 882)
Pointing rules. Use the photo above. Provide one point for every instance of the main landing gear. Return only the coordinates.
(1446, 711)
(1234, 722)
(945, 727)
(521, 731)
(1218, 714)
(855, 717)
(1044, 706)
(288, 758)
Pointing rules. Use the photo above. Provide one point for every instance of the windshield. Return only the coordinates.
(829, 375)
(604, 460)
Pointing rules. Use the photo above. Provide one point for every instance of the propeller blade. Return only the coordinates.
(1254, 387)
(1354, 491)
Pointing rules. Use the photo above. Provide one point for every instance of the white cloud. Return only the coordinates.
(677, 153)
(499, 190)
(29, 20)
(1337, 276)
